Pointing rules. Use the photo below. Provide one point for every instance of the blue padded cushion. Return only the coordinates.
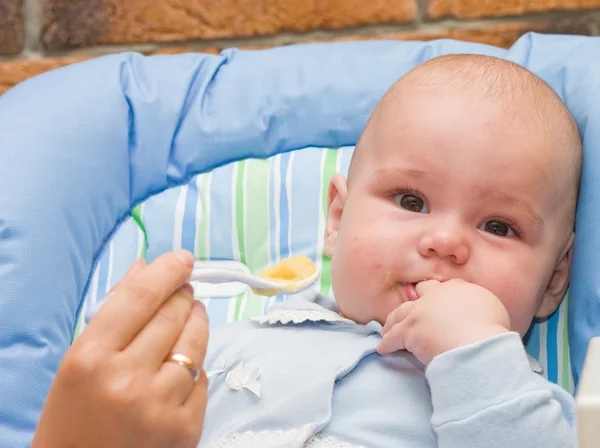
(80, 146)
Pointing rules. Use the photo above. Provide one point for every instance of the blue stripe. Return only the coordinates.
(304, 206)
(159, 220)
(272, 222)
(217, 310)
(103, 273)
(551, 347)
(284, 248)
(221, 221)
(125, 253)
(221, 215)
(125, 249)
(284, 224)
(188, 231)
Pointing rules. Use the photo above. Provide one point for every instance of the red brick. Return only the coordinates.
(500, 35)
(13, 72)
(11, 27)
(495, 8)
(76, 23)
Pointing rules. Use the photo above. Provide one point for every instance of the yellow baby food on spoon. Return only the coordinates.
(293, 274)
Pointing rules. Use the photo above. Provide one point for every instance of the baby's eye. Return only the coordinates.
(412, 202)
(499, 228)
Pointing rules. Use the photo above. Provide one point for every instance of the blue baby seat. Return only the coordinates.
(81, 146)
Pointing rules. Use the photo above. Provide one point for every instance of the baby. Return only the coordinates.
(453, 231)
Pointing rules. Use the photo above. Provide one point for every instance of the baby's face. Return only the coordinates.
(448, 190)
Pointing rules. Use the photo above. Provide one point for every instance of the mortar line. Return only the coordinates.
(32, 21)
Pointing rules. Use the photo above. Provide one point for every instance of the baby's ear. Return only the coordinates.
(336, 200)
(557, 287)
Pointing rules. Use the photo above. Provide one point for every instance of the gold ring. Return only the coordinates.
(184, 361)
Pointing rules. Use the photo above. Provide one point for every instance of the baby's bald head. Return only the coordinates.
(514, 97)
(467, 169)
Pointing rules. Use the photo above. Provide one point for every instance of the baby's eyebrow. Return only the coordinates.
(512, 201)
(410, 172)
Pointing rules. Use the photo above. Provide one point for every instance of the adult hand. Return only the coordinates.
(114, 387)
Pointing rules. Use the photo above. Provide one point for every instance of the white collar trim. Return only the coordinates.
(287, 316)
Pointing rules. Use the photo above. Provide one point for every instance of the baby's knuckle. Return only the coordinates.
(412, 319)
(396, 314)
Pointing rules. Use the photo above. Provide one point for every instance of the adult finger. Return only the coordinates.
(397, 316)
(393, 339)
(426, 286)
(178, 381)
(195, 404)
(138, 298)
(93, 310)
(155, 340)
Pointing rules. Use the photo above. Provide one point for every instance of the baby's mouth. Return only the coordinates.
(410, 291)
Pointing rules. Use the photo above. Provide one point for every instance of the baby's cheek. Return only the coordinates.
(519, 300)
(367, 255)
(355, 266)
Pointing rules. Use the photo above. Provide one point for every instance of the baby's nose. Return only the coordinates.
(448, 244)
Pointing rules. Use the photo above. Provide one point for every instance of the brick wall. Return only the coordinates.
(37, 35)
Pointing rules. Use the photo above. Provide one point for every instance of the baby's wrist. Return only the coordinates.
(470, 336)
(470, 379)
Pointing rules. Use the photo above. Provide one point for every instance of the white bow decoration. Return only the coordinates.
(224, 366)
(236, 380)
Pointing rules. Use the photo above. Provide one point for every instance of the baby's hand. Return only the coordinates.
(446, 316)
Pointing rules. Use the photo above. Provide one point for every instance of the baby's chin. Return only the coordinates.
(374, 307)
(364, 316)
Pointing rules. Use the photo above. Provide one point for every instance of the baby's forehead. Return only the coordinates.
(480, 73)
(492, 89)
(486, 88)
(499, 84)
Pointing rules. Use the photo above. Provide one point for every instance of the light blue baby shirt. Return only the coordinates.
(303, 376)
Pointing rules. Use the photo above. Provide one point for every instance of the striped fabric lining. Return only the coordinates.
(259, 212)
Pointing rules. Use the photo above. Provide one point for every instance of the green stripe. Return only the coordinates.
(238, 305)
(256, 229)
(329, 169)
(565, 355)
(239, 225)
(136, 214)
(201, 248)
(79, 324)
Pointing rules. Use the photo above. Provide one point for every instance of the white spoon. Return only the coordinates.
(235, 271)
(220, 272)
